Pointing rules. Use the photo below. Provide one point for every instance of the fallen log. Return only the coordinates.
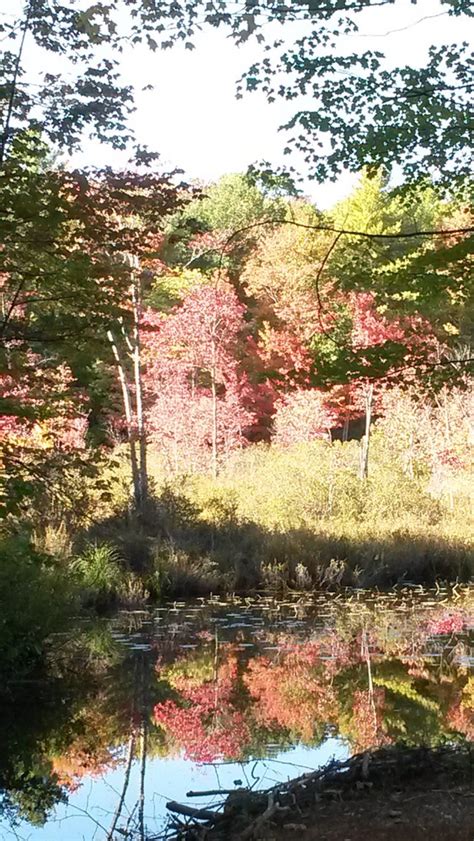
(213, 792)
(191, 812)
(248, 812)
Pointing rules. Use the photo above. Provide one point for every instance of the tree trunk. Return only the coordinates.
(364, 453)
(143, 753)
(137, 371)
(128, 767)
(345, 430)
(214, 411)
(127, 405)
(134, 415)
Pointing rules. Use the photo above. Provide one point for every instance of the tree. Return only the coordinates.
(415, 118)
(280, 272)
(195, 388)
(65, 284)
(357, 329)
(432, 433)
(217, 230)
(303, 415)
(409, 275)
(132, 392)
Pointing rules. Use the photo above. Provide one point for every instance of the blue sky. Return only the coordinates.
(92, 806)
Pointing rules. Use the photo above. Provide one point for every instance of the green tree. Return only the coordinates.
(65, 283)
(221, 226)
(417, 118)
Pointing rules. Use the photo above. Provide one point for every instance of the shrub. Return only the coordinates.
(36, 600)
(100, 573)
(178, 573)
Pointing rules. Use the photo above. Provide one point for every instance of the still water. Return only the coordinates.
(203, 695)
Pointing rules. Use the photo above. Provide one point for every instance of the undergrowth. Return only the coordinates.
(297, 517)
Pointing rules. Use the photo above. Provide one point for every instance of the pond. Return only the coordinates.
(212, 695)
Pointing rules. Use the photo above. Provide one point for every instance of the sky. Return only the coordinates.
(88, 814)
(194, 120)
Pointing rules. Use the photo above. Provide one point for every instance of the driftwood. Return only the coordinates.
(212, 792)
(191, 812)
(246, 813)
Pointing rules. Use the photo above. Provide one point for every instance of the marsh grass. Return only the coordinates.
(296, 517)
(100, 573)
(300, 517)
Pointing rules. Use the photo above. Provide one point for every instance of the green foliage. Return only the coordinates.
(217, 229)
(168, 290)
(100, 572)
(232, 203)
(363, 112)
(36, 599)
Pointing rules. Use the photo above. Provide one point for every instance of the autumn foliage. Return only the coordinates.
(369, 686)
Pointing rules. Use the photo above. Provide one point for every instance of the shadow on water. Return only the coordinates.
(215, 694)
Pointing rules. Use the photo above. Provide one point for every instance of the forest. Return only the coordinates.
(217, 387)
(236, 421)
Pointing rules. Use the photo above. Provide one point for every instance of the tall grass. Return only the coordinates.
(99, 570)
(301, 516)
(296, 517)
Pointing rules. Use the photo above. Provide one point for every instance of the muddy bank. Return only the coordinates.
(388, 795)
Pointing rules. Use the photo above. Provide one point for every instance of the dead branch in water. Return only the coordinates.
(246, 813)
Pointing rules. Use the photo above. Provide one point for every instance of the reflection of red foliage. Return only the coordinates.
(448, 623)
(307, 686)
(204, 734)
(293, 693)
(367, 718)
(208, 727)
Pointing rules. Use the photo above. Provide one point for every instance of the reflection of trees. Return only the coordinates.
(137, 747)
(296, 693)
(29, 788)
(371, 678)
(372, 687)
(205, 721)
(82, 710)
(99, 726)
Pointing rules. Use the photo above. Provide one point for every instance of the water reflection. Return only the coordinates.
(142, 708)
